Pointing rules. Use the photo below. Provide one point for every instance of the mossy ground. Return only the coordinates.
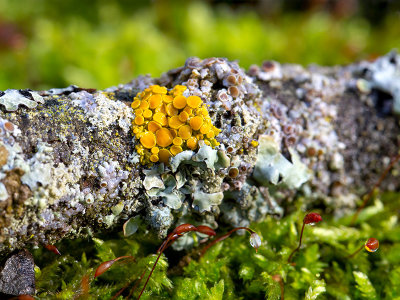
(233, 270)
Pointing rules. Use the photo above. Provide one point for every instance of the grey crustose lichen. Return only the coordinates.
(68, 164)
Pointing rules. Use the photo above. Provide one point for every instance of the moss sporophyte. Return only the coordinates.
(167, 123)
(371, 245)
(255, 242)
(310, 219)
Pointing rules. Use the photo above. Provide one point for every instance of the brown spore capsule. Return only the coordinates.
(231, 79)
(9, 126)
(288, 129)
(229, 149)
(103, 184)
(254, 70)
(233, 91)
(233, 172)
(311, 151)
(268, 66)
(290, 140)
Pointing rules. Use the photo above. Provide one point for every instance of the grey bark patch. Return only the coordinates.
(17, 275)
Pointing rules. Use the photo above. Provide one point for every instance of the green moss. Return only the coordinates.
(232, 269)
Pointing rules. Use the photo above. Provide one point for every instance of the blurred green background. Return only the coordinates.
(99, 43)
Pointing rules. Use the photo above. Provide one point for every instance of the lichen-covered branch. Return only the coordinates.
(69, 164)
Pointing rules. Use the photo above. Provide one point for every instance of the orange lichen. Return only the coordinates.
(164, 155)
(183, 116)
(148, 140)
(154, 158)
(171, 110)
(194, 101)
(139, 120)
(174, 122)
(177, 141)
(153, 126)
(135, 104)
(160, 118)
(147, 113)
(164, 137)
(155, 101)
(196, 122)
(179, 102)
(176, 149)
(167, 123)
(185, 132)
(192, 143)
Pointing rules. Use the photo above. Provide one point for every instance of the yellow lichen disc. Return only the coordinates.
(179, 102)
(164, 137)
(204, 128)
(154, 158)
(177, 141)
(155, 101)
(185, 132)
(135, 104)
(144, 105)
(188, 110)
(155, 150)
(192, 143)
(160, 118)
(148, 140)
(196, 122)
(147, 113)
(183, 116)
(171, 110)
(139, 120)
(164, 155)
(210, 134)
(194, 101)
(158, 89)
(168, 99)
(175, 149)
(174, 122)
(153, 126)
(161, 109)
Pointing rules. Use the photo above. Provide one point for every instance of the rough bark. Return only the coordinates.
(69, 167)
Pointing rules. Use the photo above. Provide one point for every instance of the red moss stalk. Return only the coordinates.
(310, 218)
(278, 278)
(174, 235)
(255, 240)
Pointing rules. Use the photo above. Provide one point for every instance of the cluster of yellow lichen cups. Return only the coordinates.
(167, 123)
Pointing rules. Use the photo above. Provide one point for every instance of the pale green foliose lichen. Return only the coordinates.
(12, 99)
(271, 165)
